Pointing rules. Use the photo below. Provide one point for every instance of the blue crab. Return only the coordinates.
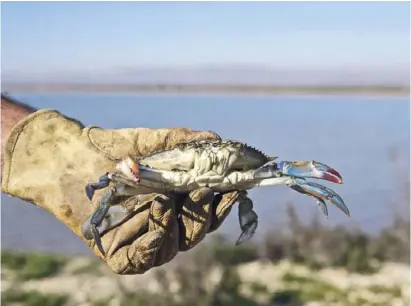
(221, 165)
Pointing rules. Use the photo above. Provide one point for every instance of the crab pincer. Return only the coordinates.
(313, 169)
(310, 169)
(130, 168)
(321, 193)
(299, 169)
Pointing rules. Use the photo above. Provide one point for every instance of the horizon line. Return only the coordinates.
(376, 89)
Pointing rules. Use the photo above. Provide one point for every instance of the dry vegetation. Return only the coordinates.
(304, 264)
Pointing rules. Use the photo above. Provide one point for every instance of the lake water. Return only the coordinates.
(354, 135)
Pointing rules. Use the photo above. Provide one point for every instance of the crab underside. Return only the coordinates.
(222, 166)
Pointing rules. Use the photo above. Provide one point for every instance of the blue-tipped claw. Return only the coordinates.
(321, 193)
(309, 169)
(323, 206)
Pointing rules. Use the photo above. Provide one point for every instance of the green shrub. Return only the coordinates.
(31, 265)
(229, 255)
(33, 298)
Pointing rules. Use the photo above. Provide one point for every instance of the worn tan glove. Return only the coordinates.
(50, 158)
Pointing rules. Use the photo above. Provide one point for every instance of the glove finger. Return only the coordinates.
(222, 205)
(164, 139)
(134, 225)
(181, 135)
(163, 219)
(154, 248)
(195, 218)
(116, 144)
(138, 257)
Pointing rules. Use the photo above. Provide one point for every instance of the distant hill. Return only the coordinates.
(347, 75)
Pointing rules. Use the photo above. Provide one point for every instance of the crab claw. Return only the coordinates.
(321, 193)
(130, 168)
(309, 169)
(115, 216)
(90, 228)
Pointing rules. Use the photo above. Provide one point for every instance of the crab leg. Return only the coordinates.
(247, 217)
(99, 215)
(115, 215)
(107, 215)
(103, 182)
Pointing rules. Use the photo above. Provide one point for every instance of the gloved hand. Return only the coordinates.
(49, 158)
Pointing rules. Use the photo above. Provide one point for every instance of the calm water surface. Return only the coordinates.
(355, 135)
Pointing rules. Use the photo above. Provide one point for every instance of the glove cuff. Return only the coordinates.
(22, 143)
(13, 139)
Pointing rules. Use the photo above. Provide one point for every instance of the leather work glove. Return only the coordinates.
(50, 158)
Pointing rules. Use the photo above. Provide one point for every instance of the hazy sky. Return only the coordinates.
(54, 37)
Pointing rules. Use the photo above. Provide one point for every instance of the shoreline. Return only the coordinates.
(210, 89)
